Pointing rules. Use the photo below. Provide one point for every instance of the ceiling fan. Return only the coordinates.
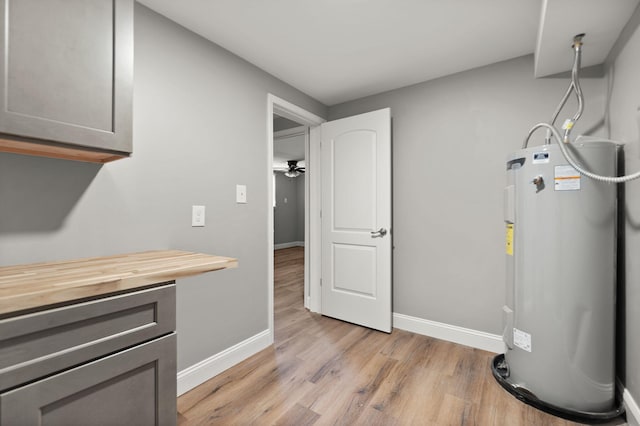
(294, 170)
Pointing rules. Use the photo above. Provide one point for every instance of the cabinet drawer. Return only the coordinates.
(134, 387)
(42, 343)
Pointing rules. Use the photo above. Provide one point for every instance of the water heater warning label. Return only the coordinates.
(522, 339)
(566, 178)
(510, 239)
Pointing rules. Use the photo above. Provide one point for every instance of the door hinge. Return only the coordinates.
(320, 282)
(320, 214)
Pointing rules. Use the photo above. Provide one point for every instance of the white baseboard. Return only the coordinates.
(199, 373)
(464, 336)
(287, 245)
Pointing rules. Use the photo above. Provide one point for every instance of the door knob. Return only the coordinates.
(379, 233)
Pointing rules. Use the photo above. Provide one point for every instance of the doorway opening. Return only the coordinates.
(289, 169)
(299, 126)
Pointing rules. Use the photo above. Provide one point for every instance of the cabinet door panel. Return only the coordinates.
(66, 71)
(133, 387)
(52, 73)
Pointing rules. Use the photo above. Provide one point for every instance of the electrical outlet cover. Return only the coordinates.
(241, 194)
(197, 216)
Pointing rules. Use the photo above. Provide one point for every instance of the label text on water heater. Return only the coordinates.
(540, 158)
(522, 339)
(566, 178)
(510, 239)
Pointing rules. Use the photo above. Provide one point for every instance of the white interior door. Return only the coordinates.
(356, 219)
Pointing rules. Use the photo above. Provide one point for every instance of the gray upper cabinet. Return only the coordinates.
(67, 74)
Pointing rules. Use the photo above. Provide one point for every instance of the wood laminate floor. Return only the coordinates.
(321, 371)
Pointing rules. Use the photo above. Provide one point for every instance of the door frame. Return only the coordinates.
(312, 197)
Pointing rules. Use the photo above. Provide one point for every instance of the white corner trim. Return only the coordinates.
(287, 245)
(632, 408)
(452, 333)
(204, 370)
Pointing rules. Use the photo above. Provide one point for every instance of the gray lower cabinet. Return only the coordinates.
(133, 387)
(108, 361)
(66, 72)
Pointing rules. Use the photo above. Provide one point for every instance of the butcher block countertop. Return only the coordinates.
(29, 287)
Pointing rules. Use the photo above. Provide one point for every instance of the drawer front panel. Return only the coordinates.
(41, 343)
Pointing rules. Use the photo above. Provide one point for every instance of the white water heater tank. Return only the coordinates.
(559, 315)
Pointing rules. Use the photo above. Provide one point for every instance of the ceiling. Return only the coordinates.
(340, 50)
(601, 21)
(289, 145)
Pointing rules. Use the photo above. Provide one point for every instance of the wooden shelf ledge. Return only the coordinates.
(28, 287)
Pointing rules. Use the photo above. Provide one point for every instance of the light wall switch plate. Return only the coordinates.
(197, 216)
(241, 194)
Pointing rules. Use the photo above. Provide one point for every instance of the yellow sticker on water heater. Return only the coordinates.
(510, 239)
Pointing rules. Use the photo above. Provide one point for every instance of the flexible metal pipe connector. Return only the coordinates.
(574, 85)
(576, 165)
(575, 82)
(562, 140)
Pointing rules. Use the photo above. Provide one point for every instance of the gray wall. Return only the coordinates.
(286, 215)
(451, 137)
(200, 123)
(623, 122)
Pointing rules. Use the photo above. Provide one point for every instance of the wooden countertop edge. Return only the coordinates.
(55, 294)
